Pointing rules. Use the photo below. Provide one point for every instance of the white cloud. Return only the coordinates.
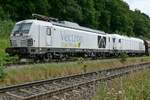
(143, 5)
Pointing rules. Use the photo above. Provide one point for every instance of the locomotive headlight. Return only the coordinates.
(30, 42)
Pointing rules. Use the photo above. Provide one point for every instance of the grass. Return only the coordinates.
(135, 86)
(45, 71)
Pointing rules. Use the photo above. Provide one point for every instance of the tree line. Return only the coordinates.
(111, 16)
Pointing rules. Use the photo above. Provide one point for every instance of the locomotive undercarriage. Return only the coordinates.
(47, 54)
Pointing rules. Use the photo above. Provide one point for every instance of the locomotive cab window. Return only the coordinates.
(23, 28)
(48, 31)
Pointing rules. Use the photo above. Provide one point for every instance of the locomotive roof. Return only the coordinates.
(64, 24)
(76, 26)
(126, 37)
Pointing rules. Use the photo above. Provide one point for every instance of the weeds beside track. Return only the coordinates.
(61, 87)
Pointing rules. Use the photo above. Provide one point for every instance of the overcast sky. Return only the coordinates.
(143, 5)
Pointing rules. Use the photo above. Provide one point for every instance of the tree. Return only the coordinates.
(88, 12)
(141, 24)
(107, 15)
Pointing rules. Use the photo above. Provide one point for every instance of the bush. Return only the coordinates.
(123, 57)
(8, 59)
(5, 30)
(80, 61)
(2, 71)
(6, 27)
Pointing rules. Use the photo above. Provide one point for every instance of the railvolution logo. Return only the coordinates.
(71, 40)
(101, 42)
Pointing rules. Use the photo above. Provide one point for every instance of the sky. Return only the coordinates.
(143, 5)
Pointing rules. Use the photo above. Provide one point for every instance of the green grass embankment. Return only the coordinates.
(44, 71)
(135, 86)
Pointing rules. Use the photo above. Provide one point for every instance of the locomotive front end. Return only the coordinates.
(20, 39)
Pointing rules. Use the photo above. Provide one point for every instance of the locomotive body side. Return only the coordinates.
(129, 45)
(46, 40)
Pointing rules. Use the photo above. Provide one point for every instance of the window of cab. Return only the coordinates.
(22, 28)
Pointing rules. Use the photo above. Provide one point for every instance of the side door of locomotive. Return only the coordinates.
(49, 36)
(114, 43)
(45, 36)
(41, 36)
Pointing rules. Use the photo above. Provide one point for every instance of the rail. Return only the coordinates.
(66, 87)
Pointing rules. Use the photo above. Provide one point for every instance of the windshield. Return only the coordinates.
(22, 28)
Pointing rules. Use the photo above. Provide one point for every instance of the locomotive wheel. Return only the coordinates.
(47, 57)
(85, 55)
(36, 60)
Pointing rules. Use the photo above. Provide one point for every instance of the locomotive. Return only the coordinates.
(47, 38)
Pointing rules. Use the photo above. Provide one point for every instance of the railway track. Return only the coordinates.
(76, 87)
